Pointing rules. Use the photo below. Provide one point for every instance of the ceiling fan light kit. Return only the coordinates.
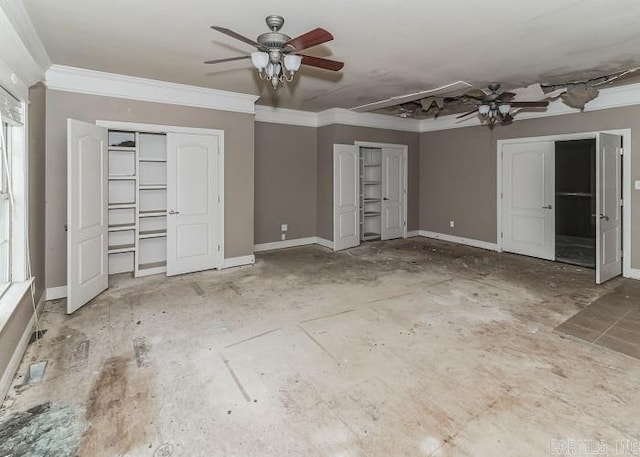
(276, 58)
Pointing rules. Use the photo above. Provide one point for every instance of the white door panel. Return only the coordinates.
(346, 223)
(528, 196)
(608, 210)
(192, 203)
(87, 219)
(392, 193)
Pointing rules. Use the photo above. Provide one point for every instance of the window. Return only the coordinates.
(12, 192)
(5, 206)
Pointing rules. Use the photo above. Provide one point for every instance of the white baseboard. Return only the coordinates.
(18, 353)
(324, 242)
(413, 233)
(262, 247)
(284, 244)
(460, 240)
(634, 273)
(239, 261)
(54, 293)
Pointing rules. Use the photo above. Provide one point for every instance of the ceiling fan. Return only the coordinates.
(277, 57)
(495, 106)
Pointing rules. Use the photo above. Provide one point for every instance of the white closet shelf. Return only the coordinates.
(371, 213)
(152, 159)
(122, 148)
(121, 227)
(115, 249)
(146, 266)
(123, 205)
(371, 200)
(370, 236)
(153, 186)
(153, 213)
(373, 165)
(122, 177)
(151, 268)
(372, 183)
(144, 234)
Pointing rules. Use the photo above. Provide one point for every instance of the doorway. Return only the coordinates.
(560, 198)
(575, 202)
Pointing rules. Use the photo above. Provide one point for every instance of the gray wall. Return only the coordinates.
(347, 134)
(19, 320)
(285, 181)
(238, 168)
(458, 170)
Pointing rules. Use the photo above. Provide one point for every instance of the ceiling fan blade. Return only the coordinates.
(319, 62)
(309, 40)
(505, 96)
(540, 104)
(467, 114)
(229, 59)
(237, 36)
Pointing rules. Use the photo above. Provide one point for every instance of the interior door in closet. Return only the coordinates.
(528, 217)
(193, 198)
(393, 217)
(87, 221)
(346, 196)
(608, 208)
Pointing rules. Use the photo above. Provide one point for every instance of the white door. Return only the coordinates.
(346, 221)
(393, 193)
(608, 211)
(87, 219)
(193, 234)
(528, 186)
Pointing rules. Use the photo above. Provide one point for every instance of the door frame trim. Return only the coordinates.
(159, 128)
(405, 184)
(627, 182)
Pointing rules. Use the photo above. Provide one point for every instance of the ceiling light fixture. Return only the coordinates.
(276, 66)
(494, 112)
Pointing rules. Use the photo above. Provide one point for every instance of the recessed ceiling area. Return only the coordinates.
(389, 49)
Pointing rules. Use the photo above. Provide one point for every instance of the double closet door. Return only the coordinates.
(369, 193)
(144, 203)
(528, 203)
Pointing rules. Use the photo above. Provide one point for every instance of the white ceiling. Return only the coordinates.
(390, 47)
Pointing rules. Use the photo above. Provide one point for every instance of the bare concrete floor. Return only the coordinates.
(403, 348)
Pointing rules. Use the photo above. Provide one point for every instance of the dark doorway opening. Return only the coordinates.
(576, 202)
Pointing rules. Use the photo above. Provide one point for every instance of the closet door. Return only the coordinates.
(346, 196)
(193, 194)
(393, 218)
(87, 221)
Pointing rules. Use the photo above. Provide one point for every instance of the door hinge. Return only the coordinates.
(218, 248)
(501, 234)
(218, 198)
(501, 195)
(621, 202)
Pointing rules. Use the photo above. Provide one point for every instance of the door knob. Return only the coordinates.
(547, 207)
(385, 198)
(174, 212)
(604, 217)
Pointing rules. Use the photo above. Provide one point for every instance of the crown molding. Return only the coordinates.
(372, 120)
(22, 55)
(286, 116)
(92, 82)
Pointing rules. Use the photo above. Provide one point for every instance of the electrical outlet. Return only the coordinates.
(452, 224)
(284, 236)
(284, 227)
